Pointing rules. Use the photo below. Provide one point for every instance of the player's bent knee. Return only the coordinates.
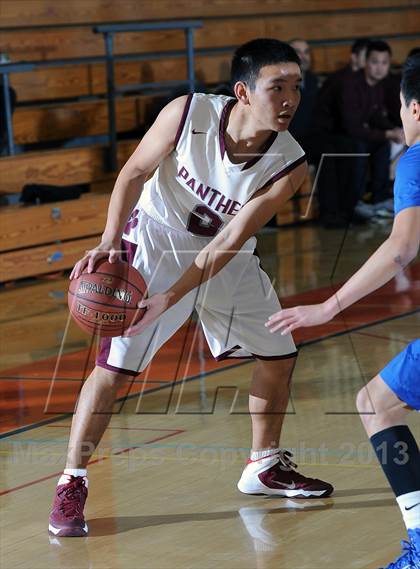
(363, 401)
(365, 407)
(378, 405)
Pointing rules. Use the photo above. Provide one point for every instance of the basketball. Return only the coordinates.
(105, 302)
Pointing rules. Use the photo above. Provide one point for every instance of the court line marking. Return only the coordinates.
(214, 371)
(119, 428)
(400, 340)
(101, 459)
(20, 378)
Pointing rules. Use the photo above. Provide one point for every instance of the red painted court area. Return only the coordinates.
(43, 390)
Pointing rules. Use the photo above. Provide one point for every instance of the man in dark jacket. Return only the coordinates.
(363, 115)
(353, 116)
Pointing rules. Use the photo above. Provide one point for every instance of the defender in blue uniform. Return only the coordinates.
(387, 399)
(402, 374)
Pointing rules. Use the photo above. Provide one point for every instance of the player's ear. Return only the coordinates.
(241, 91)
(416, 109)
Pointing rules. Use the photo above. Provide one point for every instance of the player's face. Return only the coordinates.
(410, 118)
(276, 95)
(377, 65)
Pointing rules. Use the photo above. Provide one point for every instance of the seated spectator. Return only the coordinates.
(358, 54)
(353, 114)
(326, 105)
(328, 148)
(301, 125)
(364, 116)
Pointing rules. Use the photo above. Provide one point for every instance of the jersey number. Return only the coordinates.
(203, 221)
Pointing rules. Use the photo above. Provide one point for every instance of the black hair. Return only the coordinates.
(413, 51)
(359, 45)
(410, 82)
(250, 57)
(378, 45)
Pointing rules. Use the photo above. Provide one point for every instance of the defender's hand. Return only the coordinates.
(300, 316)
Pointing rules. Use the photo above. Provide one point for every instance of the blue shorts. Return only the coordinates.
(402, 375)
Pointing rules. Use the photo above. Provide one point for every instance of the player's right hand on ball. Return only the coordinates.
(103, 250)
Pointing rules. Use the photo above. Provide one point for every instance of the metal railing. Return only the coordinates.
(109, 59)
(108, 31)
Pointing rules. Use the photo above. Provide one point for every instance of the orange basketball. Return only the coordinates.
(105, 302)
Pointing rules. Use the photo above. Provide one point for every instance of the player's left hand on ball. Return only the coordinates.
(155, 306)
(289, 319)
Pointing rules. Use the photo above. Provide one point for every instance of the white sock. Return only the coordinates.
(263, 453)
(65, 477)
(410, 508)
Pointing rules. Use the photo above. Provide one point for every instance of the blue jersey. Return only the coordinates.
(407, 180)
(402, 374)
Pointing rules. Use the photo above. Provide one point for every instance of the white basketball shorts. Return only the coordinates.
(232, 307)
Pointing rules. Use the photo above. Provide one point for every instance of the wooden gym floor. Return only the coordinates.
(163, 481)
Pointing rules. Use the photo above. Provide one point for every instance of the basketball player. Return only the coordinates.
(386, 400)
(224, 167)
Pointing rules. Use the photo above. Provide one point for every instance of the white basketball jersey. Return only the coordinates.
(197, 188)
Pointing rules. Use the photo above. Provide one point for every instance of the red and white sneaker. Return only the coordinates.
(275, 475)
(66, 518)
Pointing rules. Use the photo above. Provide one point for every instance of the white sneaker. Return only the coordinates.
(364, 210)
(275, 475)
(384, 209)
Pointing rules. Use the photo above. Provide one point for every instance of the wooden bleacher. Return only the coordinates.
(46, 238)
(58, 121)
(44, 118)
(86, 80)
(72, 166)
(49, 12)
